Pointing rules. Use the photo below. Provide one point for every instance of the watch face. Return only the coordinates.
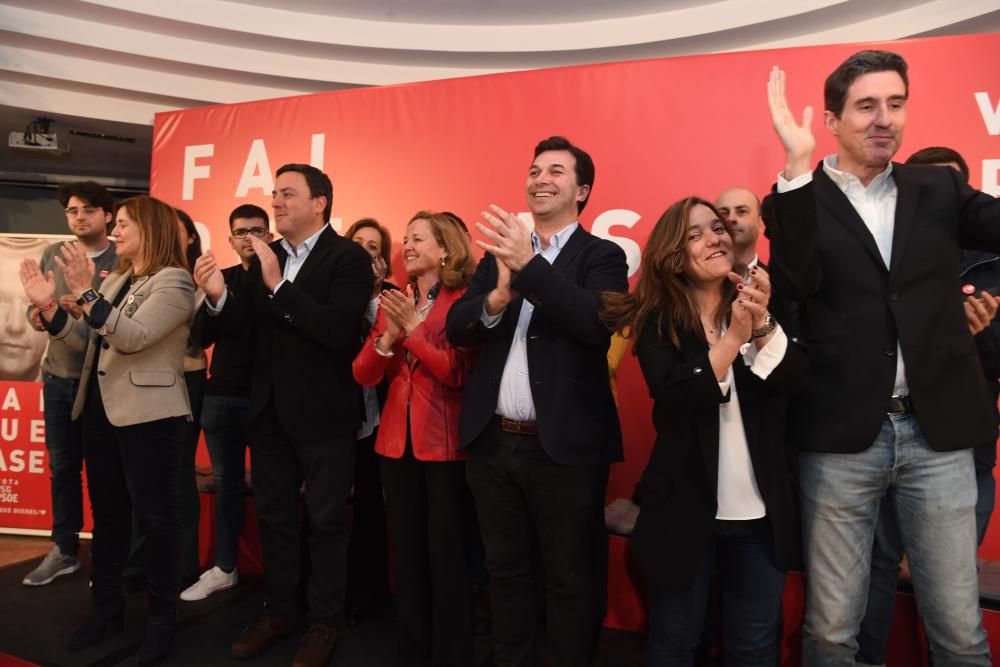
(90, 296)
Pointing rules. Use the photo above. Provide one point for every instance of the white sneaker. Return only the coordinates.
(209, 582)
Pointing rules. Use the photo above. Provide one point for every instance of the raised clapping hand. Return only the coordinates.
(38, 287)
(511, 238)
(400, 311)
(270, 269)
(797, 139)
(380, 269)
(750, 307)
(77, 268)
(208, 277)
(979, 312)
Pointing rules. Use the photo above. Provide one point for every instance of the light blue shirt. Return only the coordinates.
(515, 400)
(293, 264)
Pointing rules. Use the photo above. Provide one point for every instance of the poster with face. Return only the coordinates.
(21, 346)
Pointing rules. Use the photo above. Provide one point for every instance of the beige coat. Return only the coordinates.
(141, 365)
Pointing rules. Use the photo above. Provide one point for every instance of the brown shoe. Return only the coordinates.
(261, 634)
(316, 647)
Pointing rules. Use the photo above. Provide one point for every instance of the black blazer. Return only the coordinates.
(680, 482)
(306, 337)
(853, 309)
(567, 349)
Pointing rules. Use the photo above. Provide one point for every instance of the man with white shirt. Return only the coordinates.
(740, 210)
(305, 297)
(870, 250)
(537, 415)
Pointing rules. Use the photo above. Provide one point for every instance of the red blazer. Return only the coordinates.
(430, 383)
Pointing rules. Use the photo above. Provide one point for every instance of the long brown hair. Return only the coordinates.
(159, 234)
(663, 289)
(459, 263)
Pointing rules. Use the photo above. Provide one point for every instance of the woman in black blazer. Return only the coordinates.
(719, 496)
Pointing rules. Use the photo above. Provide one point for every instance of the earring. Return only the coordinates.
(444, 261)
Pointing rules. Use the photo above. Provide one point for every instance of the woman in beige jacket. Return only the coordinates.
(134, 406)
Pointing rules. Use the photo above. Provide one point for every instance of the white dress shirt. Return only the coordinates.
(293, 264)
(876, 205)
(738, 497)
(515, 400)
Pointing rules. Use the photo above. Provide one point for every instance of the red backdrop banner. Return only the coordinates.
(658, 130)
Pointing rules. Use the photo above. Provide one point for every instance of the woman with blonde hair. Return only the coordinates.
(423, 470)
(134, 405)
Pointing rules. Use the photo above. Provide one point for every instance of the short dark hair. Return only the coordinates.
(249, 211)
(318, 182)
(93, 194)
(861, 63)
(584, 164)
(386, 239)
(940, 155)
(193, 251)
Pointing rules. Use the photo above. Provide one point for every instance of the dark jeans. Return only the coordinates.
(186, 502)
(529, 505)
(741, 555)
(887, 552)
(280, 465)
(64, 442)
(430, 564)
(133, 467)
(367, 550)
(224, 419)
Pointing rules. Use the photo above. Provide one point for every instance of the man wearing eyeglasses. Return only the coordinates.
(89, 209)
(224, 411)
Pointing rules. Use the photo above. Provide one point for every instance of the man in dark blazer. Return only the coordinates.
(305, 301)
(870, 250)
(538, 415)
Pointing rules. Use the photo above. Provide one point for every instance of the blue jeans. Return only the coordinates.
(64, 441)
(935, 497)
(742, 554)
(886, 554)
(224, 420)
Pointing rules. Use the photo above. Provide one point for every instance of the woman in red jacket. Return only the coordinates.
(423, 471)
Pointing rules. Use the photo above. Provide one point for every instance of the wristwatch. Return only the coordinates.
(90, 296)
(766, 329)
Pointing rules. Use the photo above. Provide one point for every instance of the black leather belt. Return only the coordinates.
(514, 426)
(900, 405)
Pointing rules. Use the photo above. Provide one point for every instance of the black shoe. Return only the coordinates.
(156, 643)
(98, 626)
(355, 617)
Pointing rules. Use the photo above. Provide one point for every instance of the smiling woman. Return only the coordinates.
(718, 479)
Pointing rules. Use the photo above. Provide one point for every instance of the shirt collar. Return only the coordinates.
(557, 240)
(305, 247)
(845, 180)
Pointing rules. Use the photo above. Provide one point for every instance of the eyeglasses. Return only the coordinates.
(73, 211)
(256, 231)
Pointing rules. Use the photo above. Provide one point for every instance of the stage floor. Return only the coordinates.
(34, 624)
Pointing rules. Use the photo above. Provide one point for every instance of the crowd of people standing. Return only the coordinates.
(817, 412)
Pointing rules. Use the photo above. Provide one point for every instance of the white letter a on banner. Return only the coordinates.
(256, 171)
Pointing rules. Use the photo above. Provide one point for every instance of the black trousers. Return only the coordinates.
(430, 563)
(367, 550)
(132, 467)
(280, 465)
(534, 513)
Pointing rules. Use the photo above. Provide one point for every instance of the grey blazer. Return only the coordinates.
(141, 365)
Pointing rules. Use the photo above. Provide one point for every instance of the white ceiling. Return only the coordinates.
(123, 60)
